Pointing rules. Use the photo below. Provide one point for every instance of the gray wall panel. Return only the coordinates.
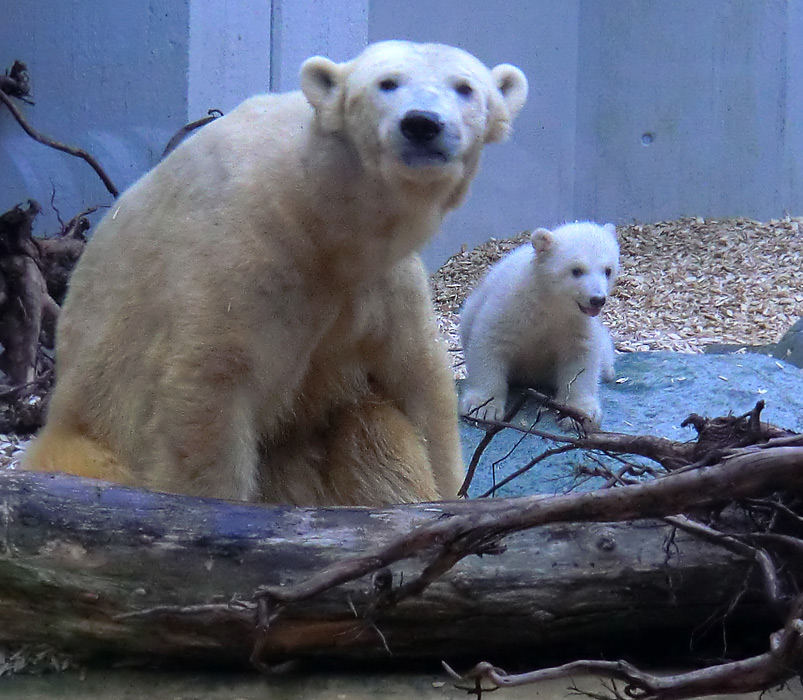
(106, 77)
(715, 86)
(681, 109)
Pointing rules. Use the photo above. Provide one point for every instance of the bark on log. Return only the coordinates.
(77, 556)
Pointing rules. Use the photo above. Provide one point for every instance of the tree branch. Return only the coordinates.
(47, 141)
(782, 662)
(738, 477)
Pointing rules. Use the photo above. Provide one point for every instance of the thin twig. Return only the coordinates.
(491, 520)
(184, 131)
(522, 470)
(781, 663)
(47, 141)
(772, 586)
(490, 432)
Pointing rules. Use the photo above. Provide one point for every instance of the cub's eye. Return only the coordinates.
(608, 271)
(464, 89)
(577, 272)
(388, 84)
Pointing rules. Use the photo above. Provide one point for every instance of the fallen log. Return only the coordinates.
(96, 570)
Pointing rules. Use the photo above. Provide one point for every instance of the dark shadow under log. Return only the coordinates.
(77, 557)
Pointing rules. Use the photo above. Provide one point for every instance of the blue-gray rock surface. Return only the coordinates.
(790, 347)
(652, 395)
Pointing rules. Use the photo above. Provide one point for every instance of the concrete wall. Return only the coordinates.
(110, 80)
(337, 29)
(119, 79)
(639, 109)
(683, 108)
(228, 50)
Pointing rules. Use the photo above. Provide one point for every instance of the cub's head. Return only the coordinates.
(415, 112)
(578, 264)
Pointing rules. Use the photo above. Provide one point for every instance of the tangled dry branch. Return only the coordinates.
(15, 84)
(783, 661)
(724, 441)
(699, 478)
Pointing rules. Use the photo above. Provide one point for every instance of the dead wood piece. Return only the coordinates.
(27, 305)
(716, 439)
(716, 435)
(783, 662)
(186, 130)
(22, 80)
(741, 476)
(96, 568)
(15, 82)
(58, 258)
(28, 315)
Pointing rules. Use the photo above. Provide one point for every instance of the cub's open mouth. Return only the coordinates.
(590, 310)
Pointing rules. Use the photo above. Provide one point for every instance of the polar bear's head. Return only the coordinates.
(420, 112)
(577, 264)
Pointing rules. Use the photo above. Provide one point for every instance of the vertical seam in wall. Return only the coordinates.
(572, 202)
(273, 57)
(785, 196)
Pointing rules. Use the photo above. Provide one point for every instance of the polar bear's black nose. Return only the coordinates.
(420, 127)
(597, 302)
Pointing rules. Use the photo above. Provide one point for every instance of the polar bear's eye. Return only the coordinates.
(464, 89)
(577, 271)
(388, 84)
(608, 271)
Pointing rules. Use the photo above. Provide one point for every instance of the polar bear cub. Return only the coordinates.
(534, 319)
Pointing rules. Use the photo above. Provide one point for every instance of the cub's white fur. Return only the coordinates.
(534, 319)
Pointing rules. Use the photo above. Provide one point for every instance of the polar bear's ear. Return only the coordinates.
(506, 101)
(542, 240)
(611, 228)
(322, 85)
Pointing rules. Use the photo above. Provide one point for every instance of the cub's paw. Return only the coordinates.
(483, 407)
(589, 420)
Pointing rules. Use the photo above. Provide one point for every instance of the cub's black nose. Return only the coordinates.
(597, 302)
(420, 127)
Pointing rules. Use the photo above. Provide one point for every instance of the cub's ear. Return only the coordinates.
(611, 228)
(322, 85)
(506, 101)
(542, 240)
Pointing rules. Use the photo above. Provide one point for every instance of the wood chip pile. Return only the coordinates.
(683, 284)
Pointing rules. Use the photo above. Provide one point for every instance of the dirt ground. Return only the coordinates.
(131, 685)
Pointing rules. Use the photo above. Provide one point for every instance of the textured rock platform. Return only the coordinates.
(653, 394)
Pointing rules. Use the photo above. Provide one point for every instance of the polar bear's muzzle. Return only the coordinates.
(427, 139)
(595, 305)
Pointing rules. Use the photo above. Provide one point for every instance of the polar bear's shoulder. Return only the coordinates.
(514, 271)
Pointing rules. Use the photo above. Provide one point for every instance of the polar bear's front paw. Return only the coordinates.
(608, 373)
(592, 417)
(482, 407)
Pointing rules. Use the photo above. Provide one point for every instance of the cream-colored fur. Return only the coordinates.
(250, 320)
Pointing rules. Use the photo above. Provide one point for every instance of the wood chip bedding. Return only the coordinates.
(683, 284)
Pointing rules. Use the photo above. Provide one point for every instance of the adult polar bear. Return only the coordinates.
(250, 321)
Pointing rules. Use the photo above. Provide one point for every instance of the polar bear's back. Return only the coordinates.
(499, 289)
